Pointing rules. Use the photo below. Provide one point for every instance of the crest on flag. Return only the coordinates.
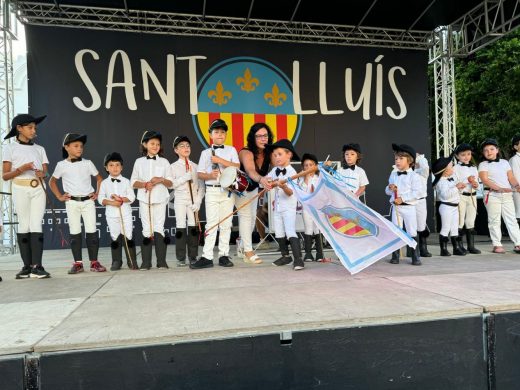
(243, 91)
(359, 235)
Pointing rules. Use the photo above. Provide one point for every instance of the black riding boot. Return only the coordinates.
(180, 245)
(307, 239)
(75, 246)
(395, 257)
(423, 244)
(117, 254)
(285, 259)
(416, 258)
(146, 253)
(318, 243)
(457, 250)
(443, 243)
(193, 243)
(24, 244)
(131, 256)
(460, 242)
(470, 237)
(92, 246)
(160, 249)
(36, 248)
(297, 253)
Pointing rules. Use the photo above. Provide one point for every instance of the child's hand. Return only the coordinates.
(39, 173)
(214, 174)
(65, 197)
(266, 182)
(93, 195)
(392, 187)
(327, 163)
(217, 160)
(398, 200)
(460, 186)
(156, 180)
(26, 167)
(474, 184)
(148, 186)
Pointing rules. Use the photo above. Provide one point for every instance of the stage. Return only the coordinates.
(451, 322)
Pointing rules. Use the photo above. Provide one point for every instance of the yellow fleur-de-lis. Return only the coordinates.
(219, 95)
(275, 98)
(249, 82)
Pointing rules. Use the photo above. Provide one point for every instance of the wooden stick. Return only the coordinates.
(150, 213)
(190, 182)
(397, 217)
(275, 184)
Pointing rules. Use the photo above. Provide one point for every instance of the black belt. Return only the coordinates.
(213, 185)
(79, 198)
(424, 197)
(450, 204)
(405, 204)
(469, 194)
(487, 189)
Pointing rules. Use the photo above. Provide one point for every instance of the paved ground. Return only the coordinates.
(92, 310)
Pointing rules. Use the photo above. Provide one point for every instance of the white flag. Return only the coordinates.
(359, 235)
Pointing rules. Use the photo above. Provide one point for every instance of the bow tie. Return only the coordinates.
(495, 160)
(402, 173)
(26, 143)
(450, 179)
(113, 180)
(73, 160)
(151, 158)
(282, 171)
(465, 165)
(218, 146)
(353, 167)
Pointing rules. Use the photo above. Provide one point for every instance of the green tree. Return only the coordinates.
(487, 86)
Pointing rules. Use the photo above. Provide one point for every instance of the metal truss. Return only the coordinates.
(8, 25)
(121, 19)
(444, 87)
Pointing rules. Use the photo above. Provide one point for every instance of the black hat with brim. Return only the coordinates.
(285, 144)
(218, 124)
(149, 134)
(462, 148)
(439, 166)
(354, 147)
(20, 120)
(72, 137)
(515, 139)
(179, 139)
(114, 156)
(488, 141)
(309, 156)
(405, 149)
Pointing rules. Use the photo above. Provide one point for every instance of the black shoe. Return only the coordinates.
(395, 257)
(443, 243)
(116, 265)
(181, 263)
(24, 273)
(284, 260)
(224, 261)
(39, 272)
(456, 243)
(470, 236)
(298, 264)
(201, 263)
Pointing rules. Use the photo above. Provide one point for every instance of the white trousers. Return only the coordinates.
(449, 220)
(218, 205)
(501, 205)
(421, 210)
(77, 210)
(516, 199)
(467, 211)
(246, 218)
(157, 217)
(30, 207)
(285, 223)
(183, 212)
(310, 227)
(406, 215)
(115, 226)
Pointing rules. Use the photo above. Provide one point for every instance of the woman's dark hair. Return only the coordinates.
(144, 151)
(251, 140)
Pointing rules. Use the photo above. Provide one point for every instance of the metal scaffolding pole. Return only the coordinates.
(8, 21)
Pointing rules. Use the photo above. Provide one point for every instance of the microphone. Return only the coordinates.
(214, 165)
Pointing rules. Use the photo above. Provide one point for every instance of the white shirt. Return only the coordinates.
(76, 176)
(282, 201)
(462, 173)
(181, 188)
(447, 190)
(144, 170)
(355, 178)
(497, 172)
(122, 189)
(228, 153)
(408, 186)
(515, 165)
(18, 155)
(311, 185)
(423, 170)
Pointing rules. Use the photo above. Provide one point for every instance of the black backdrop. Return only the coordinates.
(54, 83)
